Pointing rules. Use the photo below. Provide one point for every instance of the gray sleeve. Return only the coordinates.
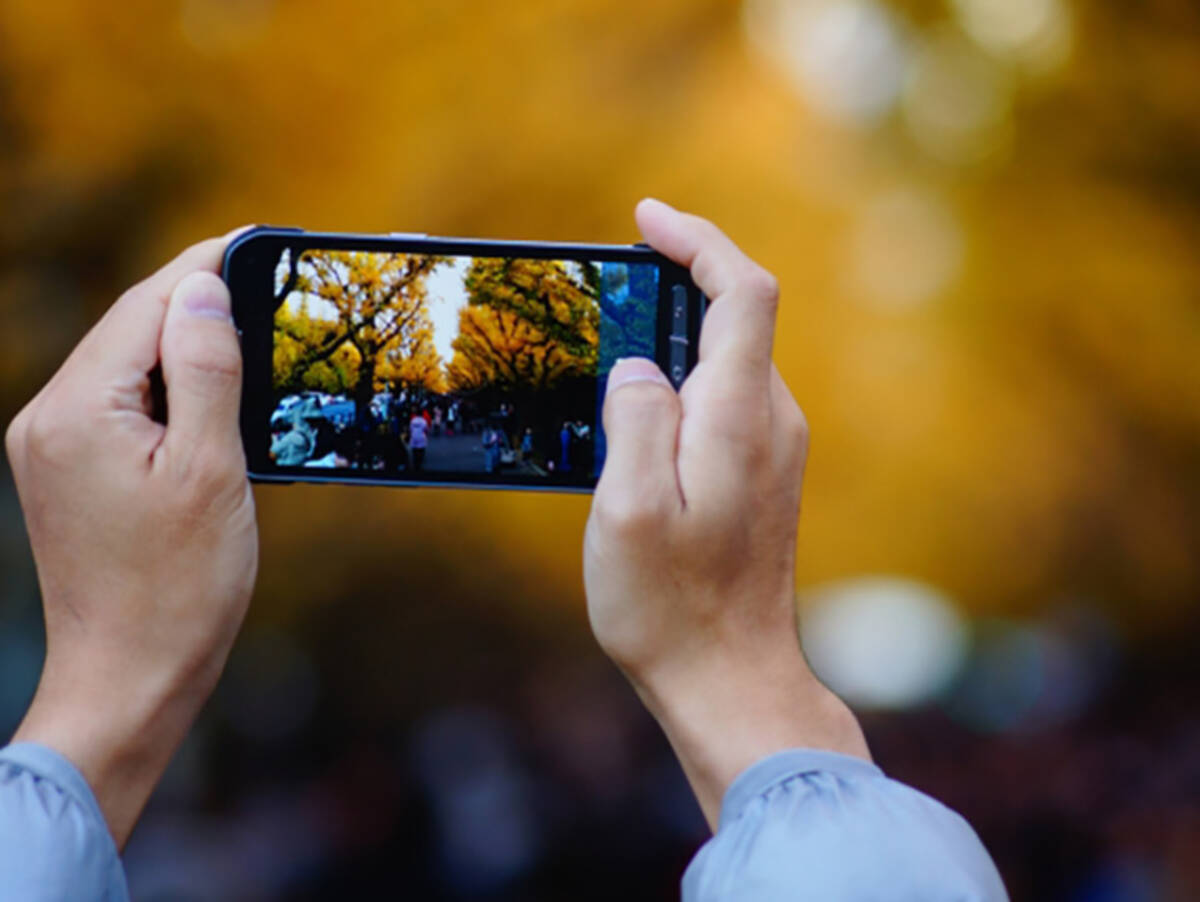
(807, 824)
(54, 841)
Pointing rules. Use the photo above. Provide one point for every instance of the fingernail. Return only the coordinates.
(634, 369)
(661, 203)
(204, 294)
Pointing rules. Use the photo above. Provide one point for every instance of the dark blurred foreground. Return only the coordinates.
(534, 777)
(435, 745)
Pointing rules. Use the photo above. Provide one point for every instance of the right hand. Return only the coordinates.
(143, 532)
(690, 547)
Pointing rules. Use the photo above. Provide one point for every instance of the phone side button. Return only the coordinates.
(679, 310)
(677, 363)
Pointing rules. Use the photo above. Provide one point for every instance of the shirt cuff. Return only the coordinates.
(49, 765)
(760, 778)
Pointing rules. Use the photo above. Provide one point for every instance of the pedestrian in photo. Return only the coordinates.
(564, 454)
(418, 441)
(527, 444)
(579, 433)
(394, 450)
(491, 449)
(364, 425)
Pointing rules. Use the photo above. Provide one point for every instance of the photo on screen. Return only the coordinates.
(420, 366)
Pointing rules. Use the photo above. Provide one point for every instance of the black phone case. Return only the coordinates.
(250, 261)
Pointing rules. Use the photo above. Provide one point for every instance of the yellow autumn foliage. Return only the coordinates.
(1046, 395)
(527, 324)
(356, 320)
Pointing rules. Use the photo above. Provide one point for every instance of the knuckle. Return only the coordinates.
(762, 284)
(709, 232)
(756, 455)
(216, 360)
(134, 291)
(796, 426)
(208, 247)
(634, 404)
(203, 254)
(136, 295)
(15, 437)
(628, 515)
(48, 434)
(208, 472)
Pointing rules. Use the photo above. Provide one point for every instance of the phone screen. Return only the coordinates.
(442, 367)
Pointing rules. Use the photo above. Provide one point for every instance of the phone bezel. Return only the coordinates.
(249, 265)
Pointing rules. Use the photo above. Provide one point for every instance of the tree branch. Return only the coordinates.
(293, 277)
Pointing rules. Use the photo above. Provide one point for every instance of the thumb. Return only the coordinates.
(641, 427)
(201, 365)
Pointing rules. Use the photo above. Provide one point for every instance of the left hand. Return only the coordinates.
(143, 531)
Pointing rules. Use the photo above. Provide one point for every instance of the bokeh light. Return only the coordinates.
(956, 101)
(1035, 32)
(907, 249)
(1028, 676)
(883, 642)
(846, 56)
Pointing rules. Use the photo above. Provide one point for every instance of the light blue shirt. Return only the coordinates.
(54, 841)
(798, 825)
(810, 825)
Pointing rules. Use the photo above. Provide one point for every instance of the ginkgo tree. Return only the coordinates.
(355, 322)
(527, 324)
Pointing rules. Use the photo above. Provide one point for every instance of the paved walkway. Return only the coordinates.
(463, 454)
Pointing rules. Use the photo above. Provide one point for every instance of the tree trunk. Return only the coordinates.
(365, 390)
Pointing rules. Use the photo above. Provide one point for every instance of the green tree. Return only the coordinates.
(628, 310)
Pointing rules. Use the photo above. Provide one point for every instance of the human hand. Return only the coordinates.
(143, 531)
(689, 553)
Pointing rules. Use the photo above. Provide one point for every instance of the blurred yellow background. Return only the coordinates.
(983, 214)
(990, 315)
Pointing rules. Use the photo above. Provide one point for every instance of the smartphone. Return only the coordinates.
(407, 359)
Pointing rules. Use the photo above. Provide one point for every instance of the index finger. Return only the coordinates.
(739, 329)
(111, 362)
(124, 342)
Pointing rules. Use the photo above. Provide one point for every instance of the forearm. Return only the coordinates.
(121, 740)
(722, 714)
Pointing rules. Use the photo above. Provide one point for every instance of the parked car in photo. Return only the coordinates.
(339, 412)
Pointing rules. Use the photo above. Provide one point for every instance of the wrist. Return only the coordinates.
(722, 713)
(119, 734)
